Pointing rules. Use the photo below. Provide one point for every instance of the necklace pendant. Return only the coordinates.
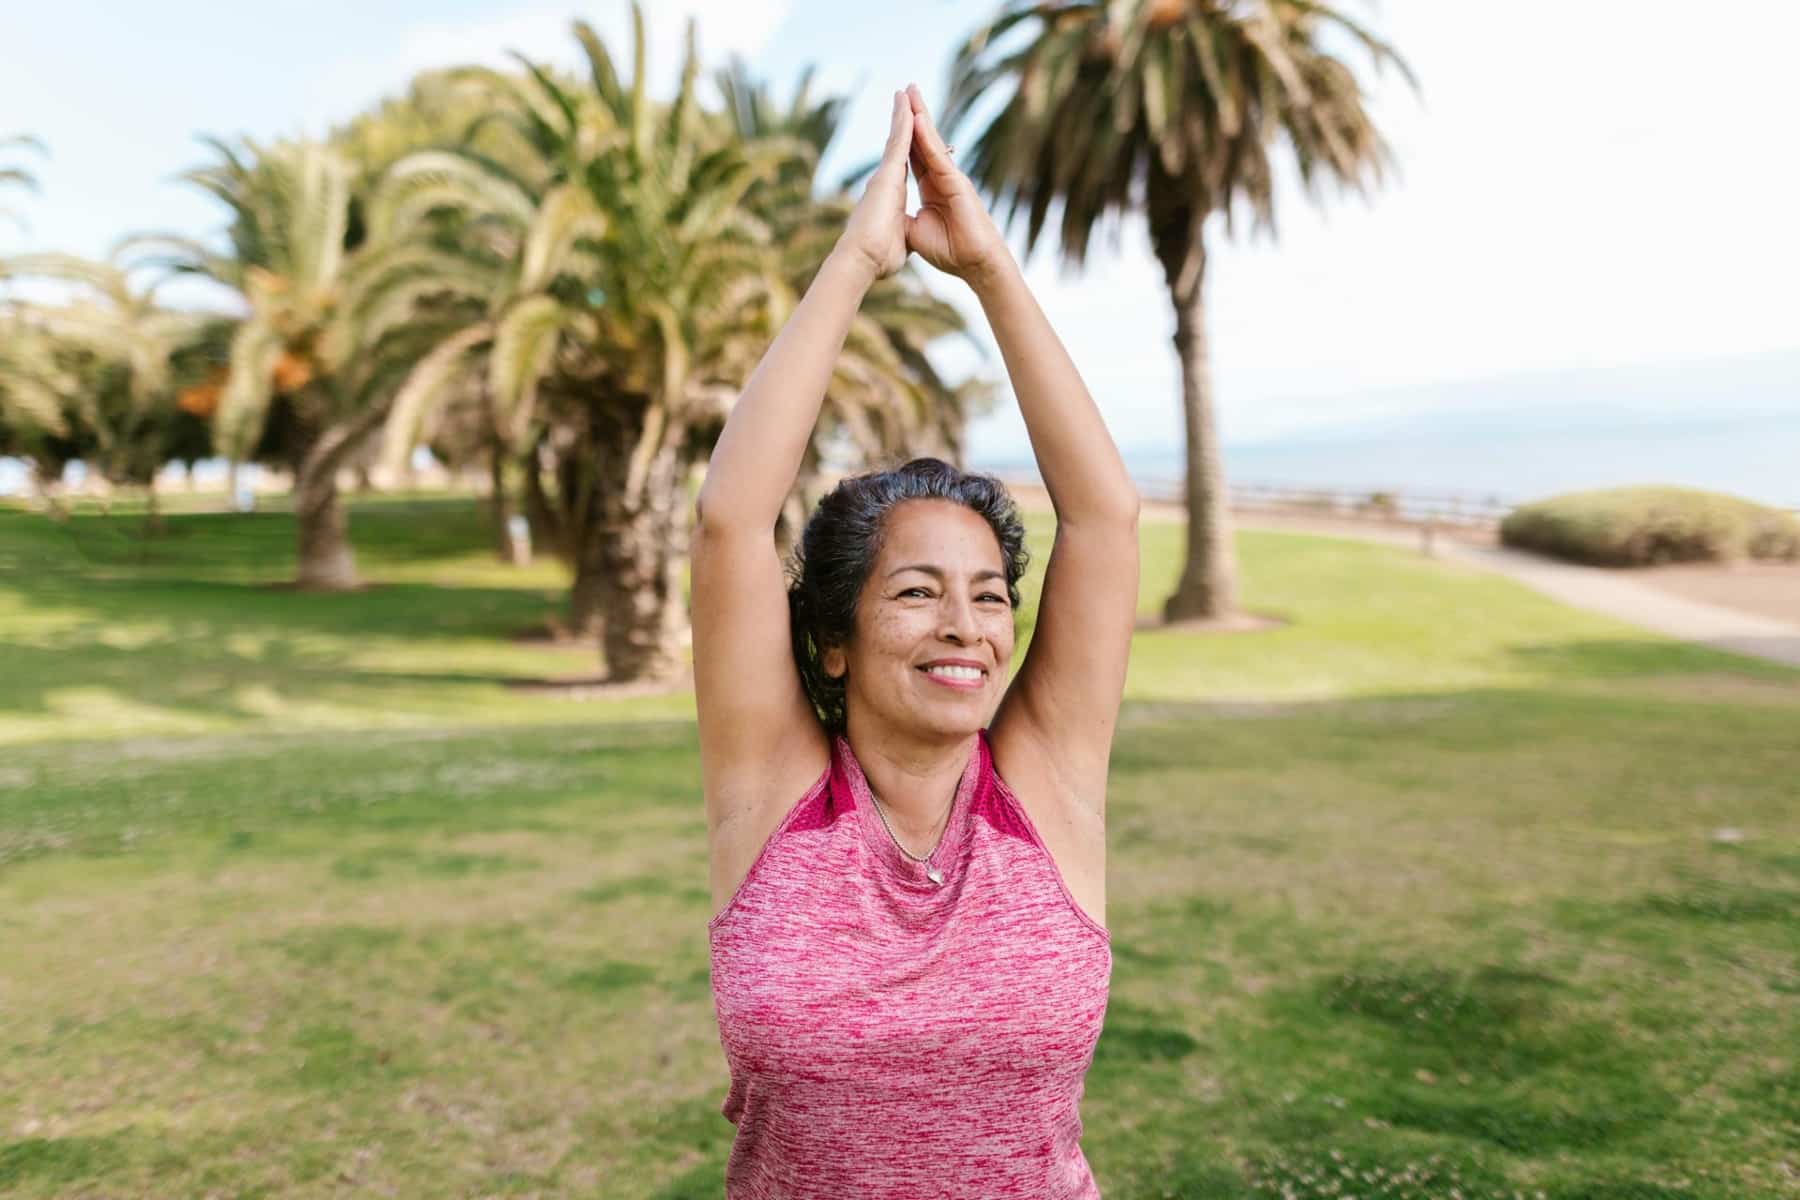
(933, 874)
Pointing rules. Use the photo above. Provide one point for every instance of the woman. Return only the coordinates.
(909, 958)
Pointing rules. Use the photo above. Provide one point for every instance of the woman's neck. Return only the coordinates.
(915, 782)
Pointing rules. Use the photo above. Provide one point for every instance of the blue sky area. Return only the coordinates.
(1564, 203)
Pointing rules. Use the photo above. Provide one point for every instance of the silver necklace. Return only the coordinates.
(931, 872)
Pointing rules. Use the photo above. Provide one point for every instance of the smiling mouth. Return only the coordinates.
(963, 680)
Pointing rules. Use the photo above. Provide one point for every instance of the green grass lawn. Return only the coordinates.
(1416, 896)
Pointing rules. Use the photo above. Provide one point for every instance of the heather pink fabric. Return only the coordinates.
(894, 1039)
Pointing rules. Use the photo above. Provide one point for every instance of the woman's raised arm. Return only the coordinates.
(757, 726)
(1062, 705)
(758, 454)
(953, 232)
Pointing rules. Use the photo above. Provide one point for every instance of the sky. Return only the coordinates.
(1605, 186)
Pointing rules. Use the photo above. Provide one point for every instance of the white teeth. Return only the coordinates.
(955, 672)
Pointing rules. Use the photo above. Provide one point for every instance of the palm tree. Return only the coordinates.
(106, 357)
(30, 398)
(32, 427)
(1173, 105)
(596, 294)
(459, 237)
(297, 367)
(609, 303)
(18, 176)
(31, 389)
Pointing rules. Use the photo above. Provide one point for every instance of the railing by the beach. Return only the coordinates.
(1387, 505)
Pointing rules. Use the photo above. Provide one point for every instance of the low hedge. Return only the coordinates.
(1641, 526)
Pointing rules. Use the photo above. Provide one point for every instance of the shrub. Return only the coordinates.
(1381, 504)
(1640, 526)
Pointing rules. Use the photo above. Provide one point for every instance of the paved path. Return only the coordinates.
(1596, 589)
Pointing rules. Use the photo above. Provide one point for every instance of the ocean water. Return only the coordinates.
(1760, 463)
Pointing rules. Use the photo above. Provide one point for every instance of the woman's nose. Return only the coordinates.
(958, 620)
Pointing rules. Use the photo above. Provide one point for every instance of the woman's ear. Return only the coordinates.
(833, 663)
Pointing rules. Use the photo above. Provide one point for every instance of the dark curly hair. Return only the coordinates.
(836, 551)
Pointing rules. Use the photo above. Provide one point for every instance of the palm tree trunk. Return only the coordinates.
(627, 549)
(500, 509)
(1208, 584)
(153, 516)
(582, 479)
(547, 525)
(642, 548)
(587, 594)
(47, 485)
(326, 561)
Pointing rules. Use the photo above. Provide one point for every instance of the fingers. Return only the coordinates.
(900, 134)
(928, 147)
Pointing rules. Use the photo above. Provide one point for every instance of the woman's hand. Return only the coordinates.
(876, 230)
(952, 231)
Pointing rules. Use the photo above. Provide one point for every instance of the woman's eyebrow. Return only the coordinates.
(938, 571)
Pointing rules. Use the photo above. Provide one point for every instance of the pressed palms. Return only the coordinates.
(1174, 106)
(886, 400)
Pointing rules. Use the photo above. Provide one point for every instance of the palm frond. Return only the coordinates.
(567, 213)
(432, 179)
(523, 345)
(105, 278)
(425, 387)
(1178, 108)
(244, 403)
(31, 383)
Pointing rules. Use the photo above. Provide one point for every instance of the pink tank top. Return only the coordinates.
(892, 1037)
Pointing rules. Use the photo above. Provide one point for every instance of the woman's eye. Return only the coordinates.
(923, 592)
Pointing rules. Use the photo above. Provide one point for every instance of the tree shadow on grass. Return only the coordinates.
(193, 647)
(383, 532)
(198, 677)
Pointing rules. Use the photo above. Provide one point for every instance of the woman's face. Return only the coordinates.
(937, 591)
